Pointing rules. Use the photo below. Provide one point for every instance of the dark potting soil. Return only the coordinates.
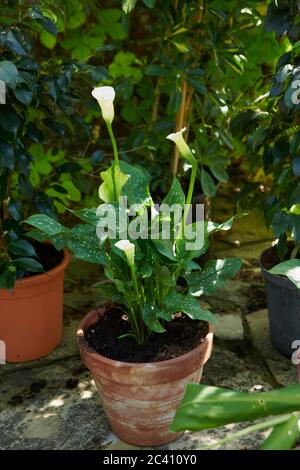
(47, 255)
(181, 336)
(270, 257)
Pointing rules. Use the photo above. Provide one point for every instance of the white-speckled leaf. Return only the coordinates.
(137, 187)
(177, 302)
(175, 195)
(46, 224)
(213, 276)
(85, 245)
(87, 215)
(151, 316)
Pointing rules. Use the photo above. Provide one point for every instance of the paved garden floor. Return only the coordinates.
(52, 403)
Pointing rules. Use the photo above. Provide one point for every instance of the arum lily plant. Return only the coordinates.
(144, 250)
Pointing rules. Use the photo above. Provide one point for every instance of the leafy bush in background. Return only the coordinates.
(270, 129)
(36, 124)
(187, 56)
(160, 56)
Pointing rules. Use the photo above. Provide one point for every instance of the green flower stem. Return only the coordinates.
(133, 322)
(157, 288)
(116, 157)
(114, 181)
(114, 143)
(191, 189)
(135, 285)
(137, 291)
(132, 319)
(188, 199)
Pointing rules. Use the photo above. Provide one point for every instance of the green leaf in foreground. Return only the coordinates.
(213, 276)
(290, 269)
(85, 245)
(46, 224)
(177, 302)
(284, 436)
(151, 315)
(113, 181)
(205, 407)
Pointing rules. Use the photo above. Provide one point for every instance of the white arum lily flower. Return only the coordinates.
(105, 96)
(181, 144)
(128, 248)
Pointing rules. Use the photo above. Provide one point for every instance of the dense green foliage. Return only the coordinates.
(273, 138)
(194, 54)
(194, 68)
(36, 123)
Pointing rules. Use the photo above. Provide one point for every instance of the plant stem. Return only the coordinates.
(188, 200)
(114, 143)
(140, 329)
(192, 183)
(116, 158)
(133, 321)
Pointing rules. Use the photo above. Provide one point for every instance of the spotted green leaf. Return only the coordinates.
(175, 195)
(136, 188)
(85, 245)
(152, 315)
(46, 224)
(213, 276)
(177, 302)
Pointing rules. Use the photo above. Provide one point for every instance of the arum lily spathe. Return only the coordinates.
(184, 149)
(128, 248)
(105, 96)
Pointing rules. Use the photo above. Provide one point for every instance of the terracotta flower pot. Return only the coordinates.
(140, 399)
(31, 316)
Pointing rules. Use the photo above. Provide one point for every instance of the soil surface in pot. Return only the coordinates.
(270, 257)
(47, 255)
(181, 336)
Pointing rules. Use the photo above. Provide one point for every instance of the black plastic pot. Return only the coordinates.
(283, 300)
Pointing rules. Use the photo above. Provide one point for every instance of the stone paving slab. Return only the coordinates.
(282, 369)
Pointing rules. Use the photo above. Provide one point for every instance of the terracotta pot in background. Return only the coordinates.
(31, 316)
(140, 399)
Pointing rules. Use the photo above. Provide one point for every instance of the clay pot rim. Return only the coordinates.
(112, 362)
(44, 277)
